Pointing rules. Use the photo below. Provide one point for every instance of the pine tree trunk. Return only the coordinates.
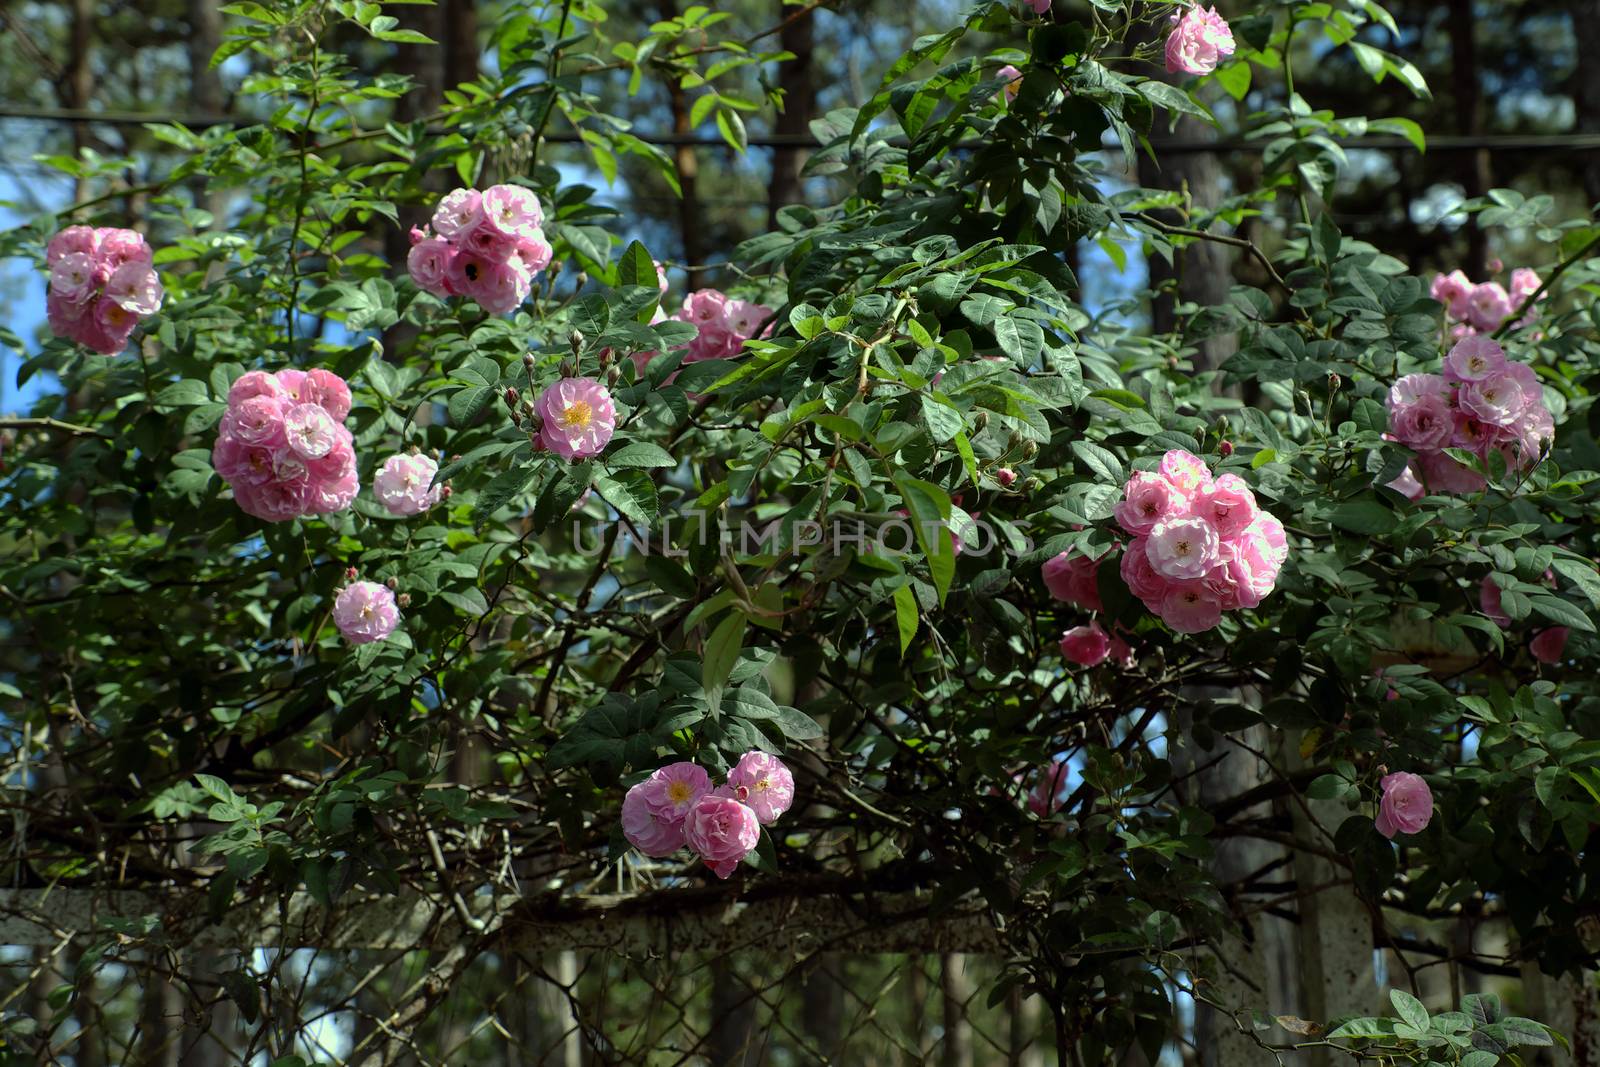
(1586, 86)
(956, 985)
(1476, 174)
(799, 107)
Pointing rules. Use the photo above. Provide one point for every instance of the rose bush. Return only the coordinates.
(837, 512)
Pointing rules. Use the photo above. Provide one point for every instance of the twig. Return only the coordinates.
(52, 424)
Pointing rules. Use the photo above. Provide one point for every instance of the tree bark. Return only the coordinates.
(796, 79)
(733, 1017)
(1476, 174)
(822, 1007)
(1586, 86)
(956, 985)
(79, 83)
(1203, 271)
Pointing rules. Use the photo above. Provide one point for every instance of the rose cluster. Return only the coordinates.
(487, 246)
(1200, 38)
(1482, 403)
(677, 806)
(1201, 546)
(725, 324)
(1484, 307)
(283, 446)
(101, 284)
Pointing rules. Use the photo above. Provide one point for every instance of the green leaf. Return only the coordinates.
(750, 703)
(722, 650)
(187, 393)
(1409, 1008)
(906, 616)
(501, 489)
(636, 267)
(640, 454)
(929, 507)
(1364, 516)
(1560, 611)
(944, 421)
(631, 492)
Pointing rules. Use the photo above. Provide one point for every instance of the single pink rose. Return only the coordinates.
(722, 832)
(458, 214)
(762, 782)
(1189, 608)
(1228, 504)
(1452, 290)
(578, 418)
(644, 828)
(365, 612)
(1407, 805)
(429, 264)
(1548, 645)
(1147, 498)
(1087, 646)
(1183, 548)
(1199, 40)
(404, 484)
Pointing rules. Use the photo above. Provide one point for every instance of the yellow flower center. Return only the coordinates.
(577, 415)
(679, 792)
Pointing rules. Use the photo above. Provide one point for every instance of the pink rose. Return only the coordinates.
(327, 390)
(241, 464)
(676, 789)
(1013, 78)
(1120, 653)
(365, 612)
(1147, 498)
(136, 288)
(1044, 799)
(118, 247)
(1182, 548)
(334, 483)
(310, 431)
(458, 214)
(512, 210)
(578, 418)
(722, 832)
(744, 318)
(502, 287)
(762, 783)
(1228, 504)
(1189, 608)
(272, 500)
(1452, 290)
(1005, 476)
(74, 240)
(1441, 474)
(535, 253)
(1406, 807)
(429, 264)
(646, 830)
(253, 383)
(1087, 646)
(1039, 6)
(72, 278)
(1424, 425)
(1497, 400)
(1489, 602)
(257, 422)
(1472, 359)
(1200, 38)
(404, 484)
(1140, 576)
(1074, 579)
(488, 243)
(1548, 645)
(1407, 485)
(1186, 471)
(113, 327)
(1488, 306)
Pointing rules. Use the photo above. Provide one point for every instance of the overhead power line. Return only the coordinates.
(1546, 142)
